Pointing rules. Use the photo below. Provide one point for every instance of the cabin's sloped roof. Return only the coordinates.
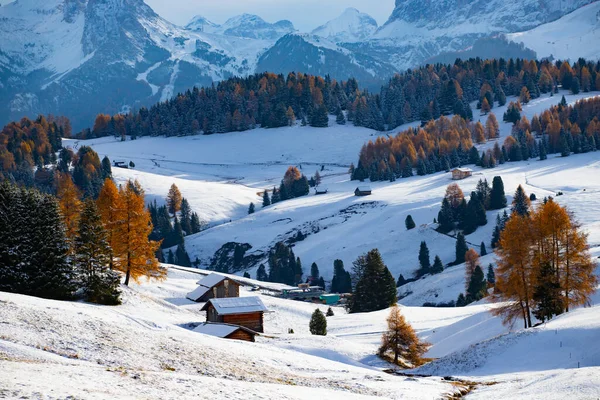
(364, 189)
(195, 294)
(211, 280)
(219, 330)
(236, 305)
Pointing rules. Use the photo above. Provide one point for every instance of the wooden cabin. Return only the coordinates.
(362, 191)
(461, 173)
(120, 164)
(243, 311)
(320, 190)
(214, 286)
(226, 331)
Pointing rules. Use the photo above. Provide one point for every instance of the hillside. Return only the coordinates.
(224, 173)
(145, 348)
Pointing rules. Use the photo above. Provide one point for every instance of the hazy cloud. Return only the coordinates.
(305, 14)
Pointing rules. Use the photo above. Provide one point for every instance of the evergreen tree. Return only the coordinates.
(376, 288)
(521, 203)
(106, 168)
(340, 119)
(497, 196)
(329, 312)
(266, 199)
(482, 249)
(461, 301)
(401, 281)
(341, 281)
(251, 208)
(318, 323)
(186, 217)
(424, 262)
(477, 285)
(170, 257)
(410, 224)
(445, 217)
(461, 248)
(319, 118)
(490, 276)
(32, 261)
(195, 223)
(314, 273)
(547, 294)
(181, 256)
(91, 259)
(438, 266)
(246, 275)
(261, 274)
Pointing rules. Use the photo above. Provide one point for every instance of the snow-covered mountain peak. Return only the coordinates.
(351, 26)
(200, 23)
(254, 27)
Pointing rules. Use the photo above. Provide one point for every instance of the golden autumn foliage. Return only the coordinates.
(492, 128)
(471, 262)
(108, 207)
(134, 253)
(454, 195)
(548, 238)
(69, 199)
(401, 340)
(174, 199)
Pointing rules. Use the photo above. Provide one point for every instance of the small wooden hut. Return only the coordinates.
(461, 173)
(215, 286)
(362, 191)
(243, 311)
(226, 331)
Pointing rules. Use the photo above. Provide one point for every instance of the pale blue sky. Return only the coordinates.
(305, 14)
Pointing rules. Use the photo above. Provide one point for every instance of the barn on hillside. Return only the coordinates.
(243, 311)
(226, 331)
(461, 173)
(362, 191)
(214, 286)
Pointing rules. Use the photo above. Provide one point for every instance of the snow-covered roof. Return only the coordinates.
(364, 189)
(195, 294)
(236, 305)
(219, 330)
(463, 169)
(211, 280)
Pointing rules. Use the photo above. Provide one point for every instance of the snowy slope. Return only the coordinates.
(350, 26)
(570, 37)
(240, 165)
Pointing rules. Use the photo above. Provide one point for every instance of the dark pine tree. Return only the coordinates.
(261, 273)
(497, 195)
(437, 266)
(547, 294)
(251, 208)
(318, 323)
(410, 224)
(461, 248)
(491, 275)
(91, 259)
(341, 281)
(477, 285)
(376, 288)
(521, 203)
(266, 199)
(424, 261)
(445, 217)
(482, 249)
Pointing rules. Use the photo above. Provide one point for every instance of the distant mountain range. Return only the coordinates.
(81, 57)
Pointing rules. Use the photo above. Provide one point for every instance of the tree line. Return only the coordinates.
(268, 100)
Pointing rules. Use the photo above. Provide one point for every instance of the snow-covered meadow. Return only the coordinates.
(145, 349)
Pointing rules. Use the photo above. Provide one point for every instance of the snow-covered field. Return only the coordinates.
(145, 349)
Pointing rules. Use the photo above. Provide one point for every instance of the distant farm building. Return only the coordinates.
(461, 173)
(243, 311)
(362, 191)
(120, 164)
(303, 292)
(226, 331)
(330, 298)
(320, 190)
(214, 286)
